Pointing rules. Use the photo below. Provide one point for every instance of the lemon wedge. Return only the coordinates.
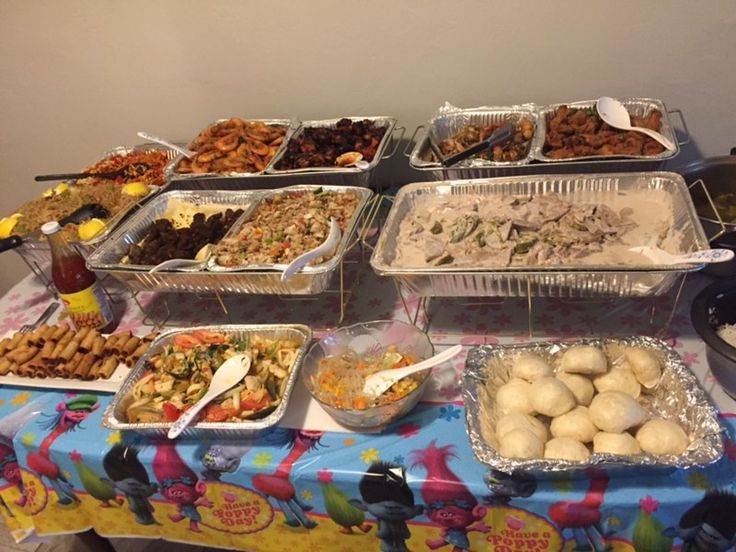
(61, 188)
(136, 189)
(7, 224)
(90, 229)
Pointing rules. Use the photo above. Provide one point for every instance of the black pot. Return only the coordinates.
(719, 176)
(714, 306)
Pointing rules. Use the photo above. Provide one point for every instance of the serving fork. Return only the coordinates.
(51, 309)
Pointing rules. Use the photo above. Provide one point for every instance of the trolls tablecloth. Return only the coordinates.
(416, 486)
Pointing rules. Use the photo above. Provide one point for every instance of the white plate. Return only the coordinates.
(110, 385)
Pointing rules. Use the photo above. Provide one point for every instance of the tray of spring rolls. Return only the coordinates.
(59, 357)
(564, 137)
(545, 236)
(238, 242)
(177, 369)
(548, 407)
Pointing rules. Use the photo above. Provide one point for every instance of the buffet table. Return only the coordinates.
(302, 488)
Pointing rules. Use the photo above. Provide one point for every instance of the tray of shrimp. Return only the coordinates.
(233, 148)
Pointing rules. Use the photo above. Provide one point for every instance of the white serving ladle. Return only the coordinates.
(152, 138)
(230, 373)
(663, 257)
(173, 264)
(333, 238)
(377, 383)
(615, 114)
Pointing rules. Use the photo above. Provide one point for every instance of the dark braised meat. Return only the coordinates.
(321, 146)
(581, 132)
(163, 241)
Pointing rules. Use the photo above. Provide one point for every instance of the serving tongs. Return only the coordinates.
(84, 213)
(132, 170)
(499, 136)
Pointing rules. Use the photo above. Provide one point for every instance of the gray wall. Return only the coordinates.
(77, 77)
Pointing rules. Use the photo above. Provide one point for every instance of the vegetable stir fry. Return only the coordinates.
(339, 379)
(180, 375)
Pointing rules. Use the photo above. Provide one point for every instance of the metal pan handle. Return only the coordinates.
(396, 141)
(686, 141)
(410, 144)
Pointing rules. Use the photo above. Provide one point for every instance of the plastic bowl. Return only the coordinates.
(714, 306)
(364, 338)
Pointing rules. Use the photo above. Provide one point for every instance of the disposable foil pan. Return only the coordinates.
(108, 256)
(452, 120)
(544, 281)
(263, 280)
(363, 196)
(380, 121)
(171, 174)
(114, 415)
(635, 106)
(678, 396)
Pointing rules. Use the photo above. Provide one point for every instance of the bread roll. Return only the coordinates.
(530, 367)
(514, 397)
(521, 443)
(584, 359)
(564, 448)
(615, 443)
(645, 365)
(615, 412)
(517, 420)
(580, 386)
(618, 379)
(575, 424)
(662, 437)
(551, 397)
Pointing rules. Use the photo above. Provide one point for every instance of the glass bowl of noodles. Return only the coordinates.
(335, 368)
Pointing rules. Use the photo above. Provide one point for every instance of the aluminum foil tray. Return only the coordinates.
(574, 281)
(264, 280)
(533, 164)
(114, 415)
(171, 174)
(388, 122)
(635, 106)
(451, 120)
(107, 257)
(678, 396)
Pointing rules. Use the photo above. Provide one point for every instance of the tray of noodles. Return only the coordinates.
(176, 371)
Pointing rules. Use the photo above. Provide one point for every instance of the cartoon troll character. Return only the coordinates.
(69, 415)
(448, 502)
(10, 471)
(179, 485)
(128, 476)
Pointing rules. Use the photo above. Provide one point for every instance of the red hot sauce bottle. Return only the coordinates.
(84, 299)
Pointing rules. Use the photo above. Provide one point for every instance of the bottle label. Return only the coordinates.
(88, 308)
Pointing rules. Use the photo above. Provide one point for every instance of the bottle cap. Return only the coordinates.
(51, 228)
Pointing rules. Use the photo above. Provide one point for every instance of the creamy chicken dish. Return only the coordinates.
(504, 230)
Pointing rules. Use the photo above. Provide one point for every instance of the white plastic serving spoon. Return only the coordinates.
(377, 383)
(173, 264)
(333, 238)
(705, 256)
(615, 114)
(230, 372)
(152, 138)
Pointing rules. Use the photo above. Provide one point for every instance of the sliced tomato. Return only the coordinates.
(216, 413)
(251, 404)
(171, 412)
(210, 338)
(184, 342)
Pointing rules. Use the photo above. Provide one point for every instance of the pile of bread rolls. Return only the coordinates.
(587, 403)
